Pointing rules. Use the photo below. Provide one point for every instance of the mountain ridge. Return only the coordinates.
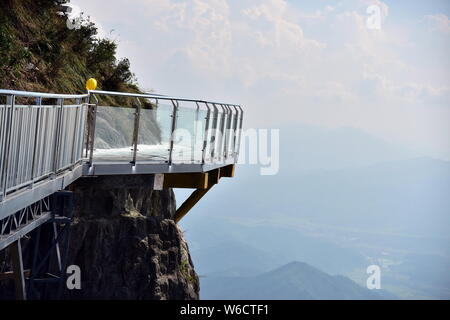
(293, 281)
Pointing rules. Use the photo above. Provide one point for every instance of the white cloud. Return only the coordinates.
(438, 22)
(287, 64)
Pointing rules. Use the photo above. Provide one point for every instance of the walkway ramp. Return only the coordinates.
(47, 141)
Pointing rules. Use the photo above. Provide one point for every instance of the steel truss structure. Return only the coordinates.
(47, 243)
(15, 226)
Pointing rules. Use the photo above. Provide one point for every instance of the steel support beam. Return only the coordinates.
(9, 239)
(18, 272)
(49, 258)
(137, 120)
(202, 184)
(227, 171)
(186, 180)
(190, 202)
(203, 180)
(9, 275)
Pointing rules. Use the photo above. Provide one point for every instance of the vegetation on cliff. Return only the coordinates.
(123, 236)
(38, 52)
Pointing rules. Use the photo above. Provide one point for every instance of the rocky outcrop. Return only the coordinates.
(125, 242)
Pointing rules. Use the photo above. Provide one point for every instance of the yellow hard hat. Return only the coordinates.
(91, 84)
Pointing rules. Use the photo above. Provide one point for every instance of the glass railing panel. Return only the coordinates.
(80, 129)
(155, 129)
(87, 131)
(230, 133)
(114, 129)
(190, 133)
(219, 138)
(201, 133)
(210, 131)
(228, 130)
(238, 135)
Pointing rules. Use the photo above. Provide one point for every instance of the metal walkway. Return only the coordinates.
(47, 141)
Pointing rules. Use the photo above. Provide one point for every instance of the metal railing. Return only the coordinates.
(189, 131)
(54, 133)
(38, 140)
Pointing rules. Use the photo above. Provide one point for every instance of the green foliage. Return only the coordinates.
(102, 62)
(12, 55)
(39, 52)
(184, 270)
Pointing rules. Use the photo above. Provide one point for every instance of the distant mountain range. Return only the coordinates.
(343, 200)
(293, 281)
(220, 247)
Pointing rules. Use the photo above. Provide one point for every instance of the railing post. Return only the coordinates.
(87, 129)
(174, 126)
(227, 131)
(92, 131)
(194, 140)
(240, 133)
(84, 144)
(76, 130)
(205, 139)
(222, 132)
(137, 117)
(235, 126)
(214, 127)
(18, 271)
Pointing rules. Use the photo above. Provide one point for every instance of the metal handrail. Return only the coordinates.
(153, 96)
(22, 127)
(29, 94)
(226, 111)
(213, 149)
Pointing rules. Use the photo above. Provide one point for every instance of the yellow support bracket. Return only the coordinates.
(202, 182)
(190, 203)
(186, 180)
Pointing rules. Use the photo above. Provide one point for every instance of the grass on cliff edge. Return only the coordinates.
(38, 52)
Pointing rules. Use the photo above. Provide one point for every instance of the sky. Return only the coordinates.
(297, 62)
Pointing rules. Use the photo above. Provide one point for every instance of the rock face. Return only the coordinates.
(126, 244)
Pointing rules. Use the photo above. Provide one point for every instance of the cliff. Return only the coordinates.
(39, 52)
(125, 242)
(127, 245)
(123, 237)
